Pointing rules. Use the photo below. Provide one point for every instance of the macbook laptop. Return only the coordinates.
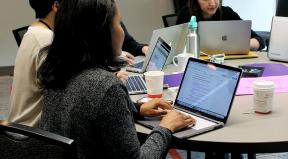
(278, 48)
(229, 37)
(206, 93)
(174, 36)
(156, 62)
(156, 58)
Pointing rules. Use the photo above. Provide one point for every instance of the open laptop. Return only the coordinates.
(206, 92)
(229, 37)
(175, 36)
(156, 62)
(278, 48)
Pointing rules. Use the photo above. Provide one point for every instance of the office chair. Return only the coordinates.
(19, 33)
(19, 141)
(169, 20)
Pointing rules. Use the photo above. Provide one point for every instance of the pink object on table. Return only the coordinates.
(246, 87)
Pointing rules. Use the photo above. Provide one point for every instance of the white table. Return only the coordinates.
(245, 131)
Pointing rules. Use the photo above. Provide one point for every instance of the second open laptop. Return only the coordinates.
(156, 62)
(206, 93)
(229, 37)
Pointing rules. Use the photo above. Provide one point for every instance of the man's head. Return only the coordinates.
(43, 7)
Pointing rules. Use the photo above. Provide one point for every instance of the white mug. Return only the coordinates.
(182, 60)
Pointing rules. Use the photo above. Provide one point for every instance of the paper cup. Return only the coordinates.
(154, 83)
(263, 96)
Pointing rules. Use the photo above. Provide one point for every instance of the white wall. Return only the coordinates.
(13, 14)
(141, 17)
(259, 11)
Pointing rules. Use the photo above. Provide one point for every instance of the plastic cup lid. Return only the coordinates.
(263, 84)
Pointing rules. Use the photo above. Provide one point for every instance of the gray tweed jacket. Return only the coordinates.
(95, 110)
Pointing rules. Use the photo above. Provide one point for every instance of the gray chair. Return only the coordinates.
(19, 33)
(23, 142)
(169, 20)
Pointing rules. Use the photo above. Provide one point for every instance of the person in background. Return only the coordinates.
(206, 10)
(26, 96)
(131, 47)
(84, 101)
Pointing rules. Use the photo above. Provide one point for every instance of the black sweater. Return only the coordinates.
(130, 44)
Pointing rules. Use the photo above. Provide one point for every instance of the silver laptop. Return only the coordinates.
(156, 62)
(206, 93)
(278, 48)
(229, 37)
(175, 36)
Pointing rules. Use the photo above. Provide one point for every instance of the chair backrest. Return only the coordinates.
(19, 33)
(20, 141)
(169, 20)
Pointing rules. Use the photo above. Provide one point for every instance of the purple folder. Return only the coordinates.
(173, 80)
(271, 69)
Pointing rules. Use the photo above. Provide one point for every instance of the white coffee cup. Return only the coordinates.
(263, 96)
(182, 60)
(154, 83)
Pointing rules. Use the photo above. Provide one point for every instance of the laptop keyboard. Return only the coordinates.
(136, 85)
(201, 123)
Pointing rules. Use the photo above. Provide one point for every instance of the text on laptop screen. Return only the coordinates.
(208, 89)
(159, 56)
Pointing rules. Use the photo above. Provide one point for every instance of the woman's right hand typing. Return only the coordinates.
(175, 120)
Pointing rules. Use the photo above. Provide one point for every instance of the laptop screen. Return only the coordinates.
(208, 89)
(159, 56)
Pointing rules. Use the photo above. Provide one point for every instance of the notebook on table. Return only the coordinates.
(156, 62)
(229, 37)
(206, 92)
(251, 54)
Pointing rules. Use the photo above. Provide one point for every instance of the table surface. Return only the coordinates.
(243, 126)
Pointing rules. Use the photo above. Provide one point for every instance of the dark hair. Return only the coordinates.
(82, 40)
(195, 9)
(42, 7)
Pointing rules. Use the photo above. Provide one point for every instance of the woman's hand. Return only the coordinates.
(127, 57)
(254, 44)
(145, 50)
(122, 75)
(155, 107)
(176, 120)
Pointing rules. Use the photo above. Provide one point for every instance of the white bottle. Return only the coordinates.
(192, 45)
